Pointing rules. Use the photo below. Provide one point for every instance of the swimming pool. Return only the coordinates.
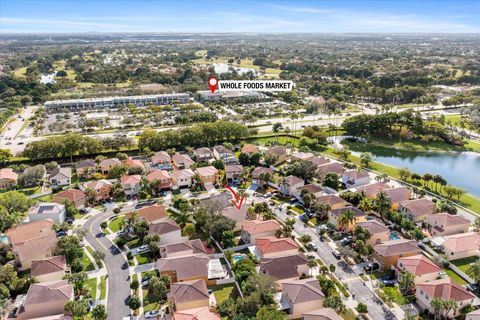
(238, 257)
(394, 236)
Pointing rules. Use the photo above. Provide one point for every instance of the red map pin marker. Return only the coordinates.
(213, 83)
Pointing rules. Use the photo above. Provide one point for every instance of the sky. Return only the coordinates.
(378, 16)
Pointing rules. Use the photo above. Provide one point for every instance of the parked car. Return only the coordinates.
(337, 254)
(70, 220)
(267, 195)
(61, 233)
(83, 210)
(142, 249)
(371, 266)
(313, 246)
(473, 288)
(145, 281)
(346, 241)
(389, 280)
(151, 314)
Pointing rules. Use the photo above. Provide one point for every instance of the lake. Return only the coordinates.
(461, 169)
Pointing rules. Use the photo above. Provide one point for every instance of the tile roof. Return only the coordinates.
(355, 174)
(183, 174)
(283, 267)
(249, 148)
(321, 314)
(110, 162)
(292, 180)
(357, 212)
(319, 161)
(237, 215)
(182, 159)
(48, 265)
(303, 155)
(333, 167)
(134, 163)
(88, 163)
(299, 291)
(42, 246)
(259, 170)
(151, 213)
(331, 199)
(274, 244)
(201, 313)
(278, 150)
(47, 292)
(445, 288)
(398, 194)
(134, 179)
(234, 168)
(207, 171)
(97, 185)
(8, 174)
(72, 195)
(158, 175)
(222, 149)
(188, 291)
(260, 226)
(29, 231)
(396, 247)
(372, 189)
(313, 188)
(203, 151)
(474, 315)
(185, 267)
(374, 226)
(419, 207)
(418, 265)
(444, 220)
(65, 172)
(196, 246)
(462, 242)
(163, 227)
(161, 157)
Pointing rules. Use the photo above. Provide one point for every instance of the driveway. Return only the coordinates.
(117, 268)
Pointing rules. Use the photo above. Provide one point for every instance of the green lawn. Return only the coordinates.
(348, 315)
(31, 191)
(464, 263)
(148, 302)
(103, 287)
(396, 296)
(91, 287)
(134, 243)
(87, 264)
(115, 224)
(455, 277)
(143, 258)
(223, 292)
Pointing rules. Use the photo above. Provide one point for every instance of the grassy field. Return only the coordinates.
(223, 292)
(86, 263)
(115, 224)
(91, 287)
(455, 277)
(103, 287)
(396, 296)
(143, 258)
(244, 63)
(464, 263)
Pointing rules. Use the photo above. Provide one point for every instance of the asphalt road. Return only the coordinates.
(117, 268)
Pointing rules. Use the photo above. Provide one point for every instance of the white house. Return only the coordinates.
(44, 211)
(352, 179)
(60, 177)
(291, 186)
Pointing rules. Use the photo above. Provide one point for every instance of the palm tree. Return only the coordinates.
(322, 209)
(437, 306)
(427, 177)
(449, 305)
(311, 264)
(346, 219)
(407, 282)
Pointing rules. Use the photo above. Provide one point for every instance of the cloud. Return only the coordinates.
(301, 9)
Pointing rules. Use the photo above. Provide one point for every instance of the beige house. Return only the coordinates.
(49, 269)
(86, 168)
(135, 163)
(301, 296)
(182, 178)
(378, 231)
(417, 210)
(168, 230)
(272, 247)
(249, 148)
(462, 245)
(208, 175)
(285, 268)
(334, 201)
(354, 179)
(188, 295)
(258, 176)
(335, 214)
(45, 299)
(102, 189)
(162, 158)
(373, 189)
(201, 313)
(253, 229)
(420, 266)
(301, 156)
(444, 289)
(107, 164)
(388, 253)
(163, 178)
(318, 161)
(474, 315)
(182, 161)
(237, 215)
(324, 169)
(151, 214)
(131, 185)
(203, 154)
(60, 177)
(321, 314)
(233, 173)
(398, 195)
(445, 224)
(184, 268)
(182, 249)
(279, 153)
(291, 186)
(8, 178)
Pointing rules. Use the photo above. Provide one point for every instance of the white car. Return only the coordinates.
(151, 314)
(143, 248)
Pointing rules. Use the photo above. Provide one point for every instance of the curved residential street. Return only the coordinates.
(117, 268)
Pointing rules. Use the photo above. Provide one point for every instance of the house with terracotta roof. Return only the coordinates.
(321, 314)
(29, 231)
(86, 168)
(233, 173)
(49, 269)
(388, 253)
(201, 313)
(237, 215)
(182, 178)
(168, 230)
(75, 196)
(188, 295)
(185, 268)
(162, 178)
(332, 167)
(285, 268)
(271, 247)
(301, 156)
(182, 249)
(60, 177)
(45, 299)
(208, 175)
(47, 210)
(378, 231)
(420, 266)
(134, 163)
(253, 229)
(335, 214)
(334, 201)
(462, 245)
(417, 210)
(398, 195)
(107, 164)
(102, 189)
(131, 185)
(291, 186)
(182, 161)
(34, 249)
(373, 189)
(445, 224)
(354, 179)
(474, 315)
(445, 289)
(258, 176)
(249, 148)
(318, 161)
(203, 154)
(151, 214)
(162, 160)
(8, 178)
(279, 153)
(300, 296)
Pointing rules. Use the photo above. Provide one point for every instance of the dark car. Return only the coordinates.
(100, 235)
(61, 233)
(389, 280)
(83, 211)
(370, 267)
(346, 241)
(473, 288)
(70, 220)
